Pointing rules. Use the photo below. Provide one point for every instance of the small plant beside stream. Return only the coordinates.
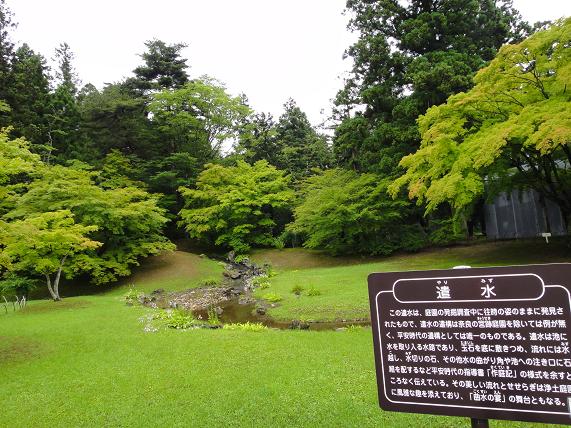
(297, 289)
(213, 317)
(177, 319)
(272, 297)
(246, 326)
(262, 282)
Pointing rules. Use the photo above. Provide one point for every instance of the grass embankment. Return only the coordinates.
(341, 283)
(172, 271)
(87, 362)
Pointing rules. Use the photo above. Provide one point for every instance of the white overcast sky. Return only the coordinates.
(268, 49)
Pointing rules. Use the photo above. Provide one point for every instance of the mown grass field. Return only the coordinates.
(86, 361)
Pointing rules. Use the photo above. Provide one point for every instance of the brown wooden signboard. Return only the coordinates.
(485, 343)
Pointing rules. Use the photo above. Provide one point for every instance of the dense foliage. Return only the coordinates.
(513, 129)
(42, 245)
(92, 180)
(59, 214)
(410, 56)
(344, 212)
(238, 206)
(291, 144)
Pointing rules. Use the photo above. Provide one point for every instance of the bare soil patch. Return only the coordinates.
(50, 306)
(18, 349)
(177, 264)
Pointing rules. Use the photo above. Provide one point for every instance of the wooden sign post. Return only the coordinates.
(482, 343)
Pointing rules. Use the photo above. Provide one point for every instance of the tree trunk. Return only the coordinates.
(58, 276)
(56, 283)
(55, 297)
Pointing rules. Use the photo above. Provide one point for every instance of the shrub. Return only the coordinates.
(343, 212)
(297, 289)
(443, 232)
(235, 206)
(177, 319)
(272, 297)
(262, 282)
(213, 316)
(240, 258)
(132, 296)
(279, 243)
(270, 272)
(210, 282)
(312, 291)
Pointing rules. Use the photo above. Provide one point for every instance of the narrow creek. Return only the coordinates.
(234, 302)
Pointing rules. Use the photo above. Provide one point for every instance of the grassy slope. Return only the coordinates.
(174, 271)
(86, 362)
(343, 282)
(177, 270)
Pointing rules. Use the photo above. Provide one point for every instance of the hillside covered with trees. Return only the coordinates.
(448, 103)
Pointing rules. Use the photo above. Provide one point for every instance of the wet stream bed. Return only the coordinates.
(232, 306)
(233, 301)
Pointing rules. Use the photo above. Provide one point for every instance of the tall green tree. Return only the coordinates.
(114, 119)
(64, 119)
(7, 25)
(163, 68)
(301, 148)
(258, 139)
(410, 56)
(65, 72)
(512, 130)
(29, 98)
(199, 119)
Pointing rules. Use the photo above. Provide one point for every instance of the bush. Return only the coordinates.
(312, 291)
(17, 285)
(297, 289)
(343, 212)
(213, 316)
(272, 297)
(443, 232)
(270, 272)
(262, 282)
(132, 296)
(210, 282)
(235, 206)
(177, 319)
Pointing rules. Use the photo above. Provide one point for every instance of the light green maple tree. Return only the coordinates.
(343, 212)
(236, 206)
(513, 129)
(44, 245)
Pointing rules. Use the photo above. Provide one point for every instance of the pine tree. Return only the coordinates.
(6, 55)
(64, 133)
(29, 98)
(164, 68)
(409, 57)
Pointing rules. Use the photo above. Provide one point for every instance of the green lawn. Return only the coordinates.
(86, 361)
(342, 282)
